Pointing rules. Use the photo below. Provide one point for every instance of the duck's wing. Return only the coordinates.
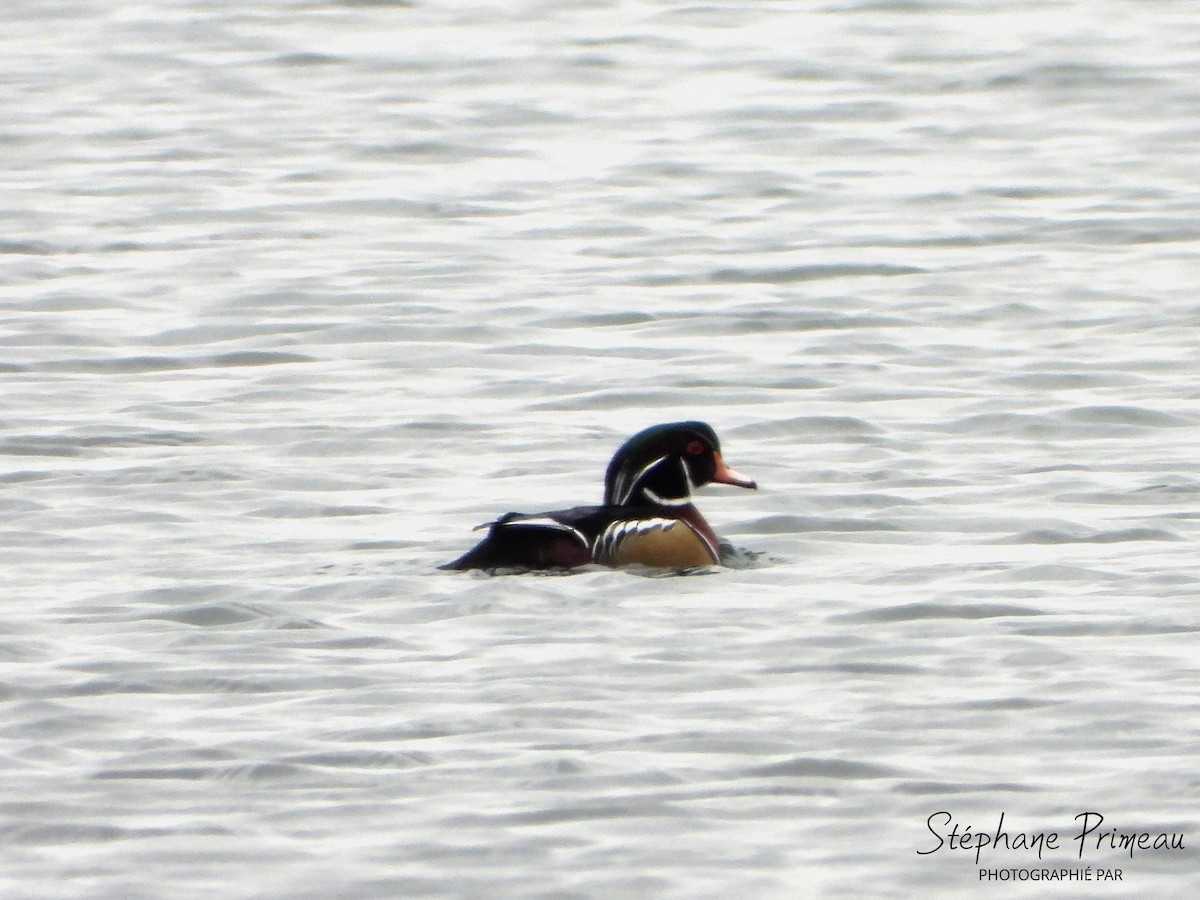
(608, 535)
(549, 540)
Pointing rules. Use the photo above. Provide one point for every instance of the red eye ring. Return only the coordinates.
(694, 448)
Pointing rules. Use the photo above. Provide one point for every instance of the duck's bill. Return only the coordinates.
(726, 475)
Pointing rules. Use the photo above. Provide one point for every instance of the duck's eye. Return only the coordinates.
(694, 448)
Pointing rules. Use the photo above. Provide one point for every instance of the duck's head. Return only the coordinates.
(661, 465)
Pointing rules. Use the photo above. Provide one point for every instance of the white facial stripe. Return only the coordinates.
(655, 498)
(687, 476)
(667, 501)
(625, 494)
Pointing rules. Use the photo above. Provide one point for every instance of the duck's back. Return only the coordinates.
(607, 535)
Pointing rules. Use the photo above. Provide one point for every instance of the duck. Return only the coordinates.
(647, 517)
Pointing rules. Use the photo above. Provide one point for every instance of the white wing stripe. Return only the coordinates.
(545, 522)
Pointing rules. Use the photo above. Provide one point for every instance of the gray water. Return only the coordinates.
(295, 294)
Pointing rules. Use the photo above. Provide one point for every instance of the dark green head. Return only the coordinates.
(660, 466)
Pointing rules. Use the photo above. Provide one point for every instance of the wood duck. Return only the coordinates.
(647, 517)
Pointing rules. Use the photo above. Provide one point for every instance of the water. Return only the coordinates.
(295, 294)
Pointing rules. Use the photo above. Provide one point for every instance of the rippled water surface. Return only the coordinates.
(294, 294)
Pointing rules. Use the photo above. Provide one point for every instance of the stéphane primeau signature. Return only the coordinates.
(1088, 834)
